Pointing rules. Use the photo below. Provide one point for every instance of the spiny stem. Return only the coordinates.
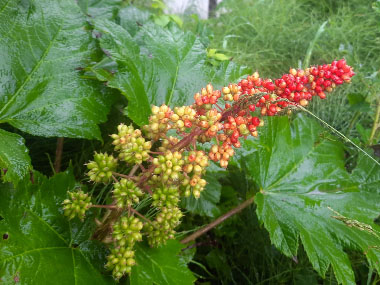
(218, 221)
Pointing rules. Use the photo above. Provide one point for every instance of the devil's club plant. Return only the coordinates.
(168, 164)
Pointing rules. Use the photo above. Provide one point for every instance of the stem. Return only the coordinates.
(114, 179)
(104, 206)
(140, 215)
(188, 139)
(133, 170)
(375, 124)
(218, 221)
(124, 176)
(102, 232)
(354, 119)
(58, 155)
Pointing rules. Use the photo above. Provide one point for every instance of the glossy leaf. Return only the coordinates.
(158, 65)
(307, 196)
(13, 156)
(206, 204)
(131, 18)
(38, 245)
(105, 9)
(161, 265)
(43, 44)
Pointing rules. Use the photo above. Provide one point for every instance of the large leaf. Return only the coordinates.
(131, 18)
(42, 46)
(106, 9)
(306, 194)
(161, 265)
(158, 65)
(13, 156)
(37, 243)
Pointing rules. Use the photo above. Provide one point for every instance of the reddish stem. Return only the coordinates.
(58, 155)
(140, 215)
(104, 206)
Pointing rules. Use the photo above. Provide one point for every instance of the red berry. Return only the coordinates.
(255, 121)
(273, 108)
(252, 108)
(239, 120)
(299, 87)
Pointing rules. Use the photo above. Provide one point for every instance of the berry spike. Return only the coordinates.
(255, 97)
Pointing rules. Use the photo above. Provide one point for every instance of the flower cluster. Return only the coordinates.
(125, 233)
(166, 162)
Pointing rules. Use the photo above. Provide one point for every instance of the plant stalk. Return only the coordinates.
(58, 155)
(218, 221)
(375, 124)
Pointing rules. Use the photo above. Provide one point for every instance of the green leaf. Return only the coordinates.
(105, 9)
(206, 204)
(367, 175)
(13, 156)
(365, 134)
(160, 265)
(42, 46)
(303, 185)
(131, 18)
(159, 65)
(37, 242)
(358, 103)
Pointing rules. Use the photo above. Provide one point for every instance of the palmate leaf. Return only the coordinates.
(307, 195)
(13, 156)
(158, 65)
(38, 245)
(160, 265)
(42, 46)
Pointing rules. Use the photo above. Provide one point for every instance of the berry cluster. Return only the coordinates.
(166, 163)
(131, 145)
(165, 196)
(120, 261)
(162, 228)
(168, 167)
(195, 166)
(126, 193)
(102, 167)
(125, 233)
(77, 205)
